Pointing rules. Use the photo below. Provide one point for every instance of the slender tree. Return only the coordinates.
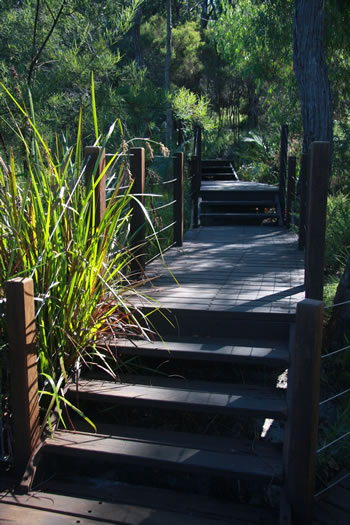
(167, 70)
(311, 71)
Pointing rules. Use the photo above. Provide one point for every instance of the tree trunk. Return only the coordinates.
(204, 15)
(311, 71)
(167, 71)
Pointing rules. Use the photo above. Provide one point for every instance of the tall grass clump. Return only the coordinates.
(48, 232)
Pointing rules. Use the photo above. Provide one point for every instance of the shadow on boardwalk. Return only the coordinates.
(237, 268)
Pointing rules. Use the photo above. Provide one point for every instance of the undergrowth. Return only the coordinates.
(80, 268)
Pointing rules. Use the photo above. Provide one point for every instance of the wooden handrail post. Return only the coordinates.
(303, 190)
(92, 155)
(303, 402)
(283, 168)
(178, 164)
(316, 219)
(23, 367)
(195, 189)
(199, 153)
(137, 225)
(292, 163)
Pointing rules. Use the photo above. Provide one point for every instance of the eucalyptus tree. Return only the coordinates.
(310, 68)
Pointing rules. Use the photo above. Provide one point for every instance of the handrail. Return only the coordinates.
(136, 171)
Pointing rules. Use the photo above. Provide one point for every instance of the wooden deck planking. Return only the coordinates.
(231, 268)
(237, 186)
(125, 505)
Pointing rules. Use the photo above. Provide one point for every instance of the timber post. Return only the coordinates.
(292, 161)
(195, 189)
(23, 367)
(178, 164)
(283, 168)
(93, 172)
(303, 193)
(303, 405)
(316, 219)
(137, 225)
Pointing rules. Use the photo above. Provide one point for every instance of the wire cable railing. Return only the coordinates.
(155, 210)
(328, 358)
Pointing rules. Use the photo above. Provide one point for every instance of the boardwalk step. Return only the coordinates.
(177, 394)
(137, 506)
(184, 322)
(267, 203)
(216, 169)
(240, 215)
(244, 351)
(154, 449)
(215, 162)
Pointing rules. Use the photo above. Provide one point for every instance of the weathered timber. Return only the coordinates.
(179, 198)
(137, 225)
(290, 190)
(57, 509)
(23, 365)
(145, 451)
(303, 200)
(195, 189)
(303, 403)
(283, 167)
(177, 394)
(96, 163)
(316, 221)
(249, 351)
(127, 505)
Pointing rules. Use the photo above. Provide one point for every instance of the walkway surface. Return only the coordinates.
(231, 268)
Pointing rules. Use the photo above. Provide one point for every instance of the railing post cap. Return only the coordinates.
(17, 280)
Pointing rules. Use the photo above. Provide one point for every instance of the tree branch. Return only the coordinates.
(37, 56)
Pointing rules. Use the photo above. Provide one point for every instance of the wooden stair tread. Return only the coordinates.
(239, 214)
(265, 203)
(46, 507)
(155, 453)
(248, 351)
(161, 499)
(177, 394)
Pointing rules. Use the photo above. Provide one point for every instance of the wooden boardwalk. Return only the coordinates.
(231, 268)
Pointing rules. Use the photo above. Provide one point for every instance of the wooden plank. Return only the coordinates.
(238, 186)
(290, 190)
(137, 224)
(174, 394)
(55, 509)
(23, 366)
(179, 197)
(302, 216)
(241, 215)
(156, 454)
(227, 445)
(266, 202)
(174, 501)
(269, 353)
(283, 166)
(303, 403)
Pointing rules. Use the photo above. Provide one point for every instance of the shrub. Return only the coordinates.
(48, 232)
